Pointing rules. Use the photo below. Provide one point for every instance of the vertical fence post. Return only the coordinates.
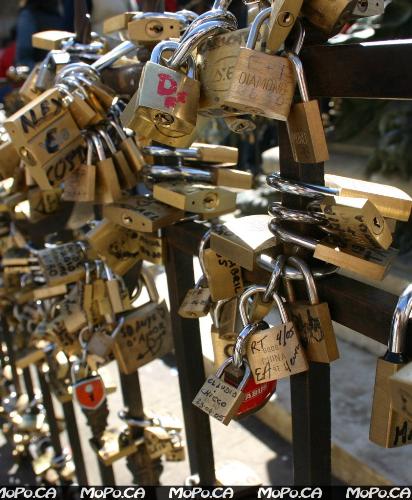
(310, 391)
(189, 360)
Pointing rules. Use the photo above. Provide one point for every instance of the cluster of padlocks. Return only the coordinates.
(110, 123)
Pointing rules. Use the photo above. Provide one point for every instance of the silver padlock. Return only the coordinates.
(101, 344)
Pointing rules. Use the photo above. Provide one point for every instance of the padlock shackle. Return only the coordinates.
(89, 155)
(108, 140)
(150, 283)
(276, 181)
(218, 15)
(399, 325)
(205, 240)
(228, 362)
(98, 144)
(255, 27)
(119, 130)
(113, 55)
(217, 311)
(288, 236)
(239, 349)
(71, 80)
(308, 278)
(221, 4)
(275, 277)
(254, 290)
(300, 75)
(205, 30)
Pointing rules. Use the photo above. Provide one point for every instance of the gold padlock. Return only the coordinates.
(262, 84)
(50, 40)
(141, 213)
(388, 428)
(165, 107)
(282, 19)
(197, 198)
(243, 239)
(152, 27)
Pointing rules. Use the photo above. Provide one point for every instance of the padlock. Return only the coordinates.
(391, 202)
(243, 239)
(88, 389)
(217, 58)
(80, 184)
(114, 287)
(42, 202)
(146, 333)
(373, 263)
(197, 198)
(157, 441)
(62, 264)
(118, 246)
(282, 19)
(101, 306)
(142, 213)
(219, 399)
(165, 109)
(114, 445)
(356, 220)
(224, 276)
(127, 178)
(312, 320)
(100, 343)
(262, 84)
(107, 183)
(198, 153)
(81, 111)
(129, 148)
(9, 160)
(51, 39)
(304, 123)
(331, 15)
(153, 27)
(273, 353)
(388, 428)
(152, 247)
(196, 303)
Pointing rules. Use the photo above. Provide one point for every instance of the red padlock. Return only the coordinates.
(89, 391)
(257, 395)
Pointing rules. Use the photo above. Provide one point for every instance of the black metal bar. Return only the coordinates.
(310, 391)
(75, 443)
(50, 414)
(189, 360)
(145, 471)
(371, 70)
(11, 355)
(106, 474)
(28, 382)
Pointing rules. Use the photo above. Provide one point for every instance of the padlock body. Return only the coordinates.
(314, 326)
(90, 392)
(401, 391)
(80, 184)
(306, 133)
(196, 303)
(328, 15)
(165, 108)
(388, 428)
(262, 84)
(225, 278)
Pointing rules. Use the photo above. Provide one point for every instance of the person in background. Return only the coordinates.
(34, 16)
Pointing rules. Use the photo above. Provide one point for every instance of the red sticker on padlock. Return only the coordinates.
(257, 395)
(90, 392)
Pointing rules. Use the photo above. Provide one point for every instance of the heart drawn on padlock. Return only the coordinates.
(90, 392)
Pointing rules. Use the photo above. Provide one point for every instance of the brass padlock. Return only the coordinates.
(118, 246)
(152, 247)
(217, 58)
(101, 343)
(130, 149)
(157, 441)
(219, 399)
(146, 333)
(304, 123)
(165, 108)
(81, 111)
(80, 184)
(356, 220)
(243, 239)
(224, 276)
(141, 213)
(197, 198)
(282, 19)
(42, 203)
(391, 202)
(62, 264)
(196, 303)
(312, 320)
(114, 445)
(51, 39)
(262, 84)
(107, 182)
(388, 428)
(373, 263)
(152, 27)
(9, 160)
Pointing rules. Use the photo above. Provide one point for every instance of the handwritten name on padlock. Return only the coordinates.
(275, 353)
